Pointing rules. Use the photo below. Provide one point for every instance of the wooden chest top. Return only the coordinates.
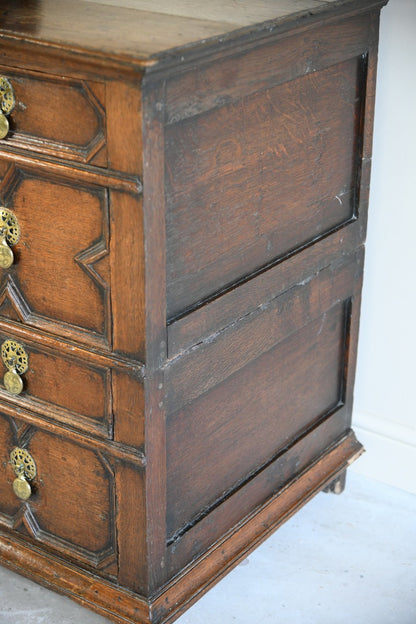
(146, 31)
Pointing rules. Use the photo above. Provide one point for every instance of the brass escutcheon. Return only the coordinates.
(7, 103)
(24, 468)
(9, 236)
(16, 361)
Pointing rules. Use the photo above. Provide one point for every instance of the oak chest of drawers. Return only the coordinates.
(183, 211)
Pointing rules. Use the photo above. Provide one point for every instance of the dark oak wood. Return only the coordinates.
(78, 257)
(54, 513)
(122, 605)
(75, 132)
(191, 182)
(222, 220)
(106, 401)
(305, 367)
(162, 28)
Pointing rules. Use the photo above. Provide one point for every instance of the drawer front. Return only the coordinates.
(87, 395)
(74, 272)
(71, 507)
(57, 116)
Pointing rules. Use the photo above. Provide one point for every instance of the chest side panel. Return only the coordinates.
(264, 169)
(266, 178)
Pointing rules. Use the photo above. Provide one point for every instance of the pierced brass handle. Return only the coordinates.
(9, 236)
(16, 361)
(7, 103)
(25, 470)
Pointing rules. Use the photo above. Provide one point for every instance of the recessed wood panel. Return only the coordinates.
(57, 116)
(59, 279)
(59, 224)
(78, 268)
(75, 500)
(98, 398)
(64, 389)
(230, 432)
(249, 182)
(72, 506)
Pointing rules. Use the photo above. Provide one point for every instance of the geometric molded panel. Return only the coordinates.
(65, 389)
(59, 279)
(308, 365)
(76, 130)
(72, 506)
(259, 179)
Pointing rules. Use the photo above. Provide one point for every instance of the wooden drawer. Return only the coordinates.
(57, 116)
(72, 506)
(74, 389)
(68, 275)
(74, 119)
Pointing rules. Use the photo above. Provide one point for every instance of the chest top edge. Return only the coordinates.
(136, 35)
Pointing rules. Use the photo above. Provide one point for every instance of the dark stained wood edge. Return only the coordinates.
(216, 315)
(123, 607)
(200, 575)
(114, 449)
(85, 63)
(156, 333)
(367, 122)
(154, 223)
(181, 59)
(351, 351)
(201, 368)
(322, 48)
(155, 453)
(70, 348)
(86, 174)
(35, 55)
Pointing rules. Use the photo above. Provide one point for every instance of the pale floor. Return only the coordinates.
(347, 559)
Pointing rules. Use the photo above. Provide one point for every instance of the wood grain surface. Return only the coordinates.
(191, 182)
(110, 28)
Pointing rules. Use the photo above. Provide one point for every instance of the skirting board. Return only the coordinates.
(390, 451)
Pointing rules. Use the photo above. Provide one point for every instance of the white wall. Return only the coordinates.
(384, 409)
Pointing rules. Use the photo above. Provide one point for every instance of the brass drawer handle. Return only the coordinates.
(25, 470)
(7, 102)
(9, 236)
(16, 361)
